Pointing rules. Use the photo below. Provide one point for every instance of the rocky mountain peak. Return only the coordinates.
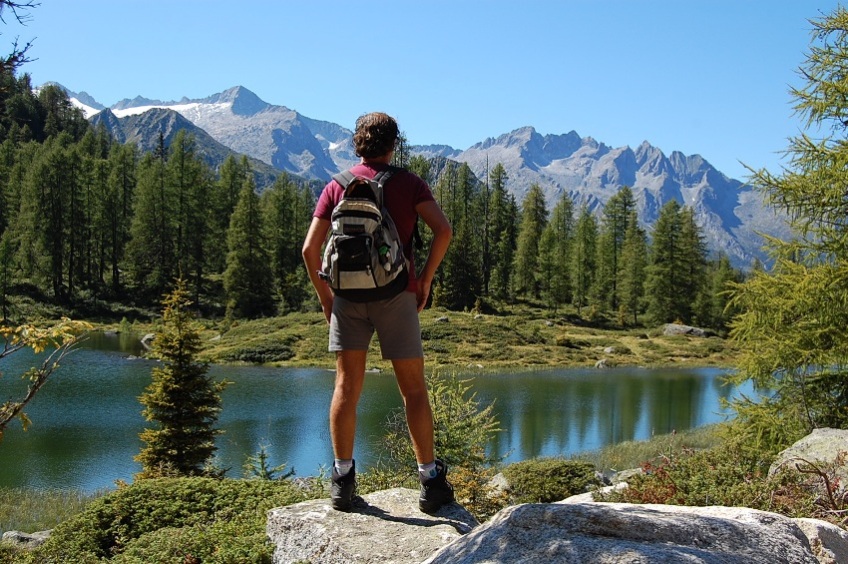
(243, 101)
(137, 102)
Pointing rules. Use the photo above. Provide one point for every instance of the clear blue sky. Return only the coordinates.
(699, 76)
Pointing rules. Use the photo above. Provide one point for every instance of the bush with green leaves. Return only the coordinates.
(173, 519)
(544, 480)
(462, 427)
(733, 476)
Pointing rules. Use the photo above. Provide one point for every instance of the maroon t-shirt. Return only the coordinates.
(401, 194)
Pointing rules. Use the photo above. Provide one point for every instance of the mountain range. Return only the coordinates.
(730, 213)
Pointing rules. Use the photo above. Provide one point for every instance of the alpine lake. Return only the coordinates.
(87, 419)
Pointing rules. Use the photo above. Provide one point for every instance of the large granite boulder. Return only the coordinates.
(607, 533)
(823, 447)
(672, 329)
(384, 527)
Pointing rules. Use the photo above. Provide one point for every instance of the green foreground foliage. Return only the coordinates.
(223, 520)
(734, 474)
(172, 520)
(548, 480)
(791, 326)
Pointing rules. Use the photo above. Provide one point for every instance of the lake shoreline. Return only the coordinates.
(525, 339)
(88, 418)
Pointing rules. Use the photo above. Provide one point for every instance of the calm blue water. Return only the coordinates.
(86, 420)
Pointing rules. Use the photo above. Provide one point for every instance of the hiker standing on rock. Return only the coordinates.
(367, 281)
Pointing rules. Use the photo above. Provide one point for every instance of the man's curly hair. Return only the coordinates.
(376, 134)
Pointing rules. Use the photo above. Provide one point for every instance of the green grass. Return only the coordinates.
(38, 510)
(519, 336)
(632, 454)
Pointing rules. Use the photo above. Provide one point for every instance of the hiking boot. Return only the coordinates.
(436, 492)
(342, 489)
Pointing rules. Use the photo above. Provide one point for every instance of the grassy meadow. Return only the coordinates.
(519, 336)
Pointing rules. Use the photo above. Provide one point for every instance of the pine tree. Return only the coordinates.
(287, 207)
(678, 258)
(631, 272)
(248, 280)
(503, 235)
(693, 256)
(614, 224)
(190, 181)
(711, 308)
(458, 284)
(151, 251)
(667, 301)
(224, 198)
(42, 224)
(583, 256)
(421, 242)
(534, 218)
(491, 199)
(555, 253)
(401, 156)
(123, 161)
(182, 400)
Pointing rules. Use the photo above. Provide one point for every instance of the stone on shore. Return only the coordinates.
(385, 527)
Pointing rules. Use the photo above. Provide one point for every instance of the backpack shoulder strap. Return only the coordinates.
(384, 175)
(381, 178)
(344, 178)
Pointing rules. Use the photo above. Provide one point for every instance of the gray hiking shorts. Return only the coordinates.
(352, 325)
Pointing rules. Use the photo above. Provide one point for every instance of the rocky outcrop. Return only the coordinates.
(26, 540)
(607, 533)
(670, 329)
(826, 448)
(385, 527)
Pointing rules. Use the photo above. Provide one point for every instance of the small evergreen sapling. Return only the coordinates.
(182, 399)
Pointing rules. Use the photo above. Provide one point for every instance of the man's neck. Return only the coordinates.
(385, 159)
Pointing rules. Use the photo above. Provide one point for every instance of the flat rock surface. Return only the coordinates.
(385, 527)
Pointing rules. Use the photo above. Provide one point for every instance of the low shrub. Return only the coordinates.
(12, 554)
(474, 490)
(221, 542)
(260, 353)
(544, 480)
(571, 343)
(730, 476)
(153, 520)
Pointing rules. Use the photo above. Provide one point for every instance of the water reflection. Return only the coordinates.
(87, 418)
(554, 412)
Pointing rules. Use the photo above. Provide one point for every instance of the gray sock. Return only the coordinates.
(427, 471)
(343, 466)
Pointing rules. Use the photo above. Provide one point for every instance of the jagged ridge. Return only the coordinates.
(730, 213)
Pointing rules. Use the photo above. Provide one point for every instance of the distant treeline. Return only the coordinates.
(603, 265)
(84, 218)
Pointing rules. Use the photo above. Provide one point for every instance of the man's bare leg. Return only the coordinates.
(350, 375)
(419, 416)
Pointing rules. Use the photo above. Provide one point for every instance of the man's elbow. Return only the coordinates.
(446, 232)
(308, 253)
